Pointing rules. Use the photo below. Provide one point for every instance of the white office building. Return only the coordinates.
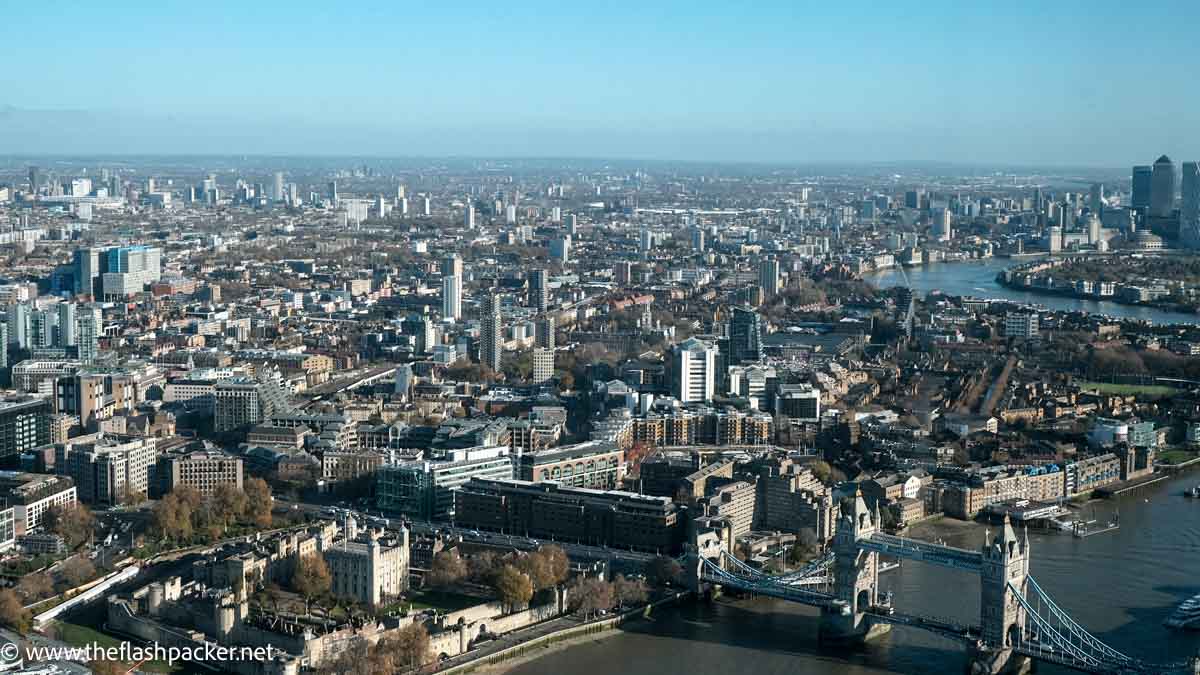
(695, 371)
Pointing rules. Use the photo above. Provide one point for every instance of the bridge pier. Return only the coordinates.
(848, 630)
(984, 660)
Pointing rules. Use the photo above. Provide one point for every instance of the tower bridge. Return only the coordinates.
(1018, 621)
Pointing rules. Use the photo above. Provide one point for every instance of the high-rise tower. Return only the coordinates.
(491, 334)
(1140, 197)
(745, 336)
(1163, 184)
(452, 282)
(1189, 206)
(539, 289)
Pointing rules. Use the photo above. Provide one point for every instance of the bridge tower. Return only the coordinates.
(707, 543)
(1002, 618)
(855, 577)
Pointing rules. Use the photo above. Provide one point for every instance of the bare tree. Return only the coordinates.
(448, 568)
(311, 578)
(628, 592)
(589, 596)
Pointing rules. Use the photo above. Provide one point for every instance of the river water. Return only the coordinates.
(979, 279)
(1119, 585)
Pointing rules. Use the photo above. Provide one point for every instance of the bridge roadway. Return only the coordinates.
(789, 590)
(945, 627)
(934, 554)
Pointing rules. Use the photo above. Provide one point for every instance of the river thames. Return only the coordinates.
(1119, 585)
(979, 279)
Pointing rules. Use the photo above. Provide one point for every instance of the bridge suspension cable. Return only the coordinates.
(752, 581)
(1049, 633)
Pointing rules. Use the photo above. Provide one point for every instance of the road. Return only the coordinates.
(511, 640)
(36, 640)
(510, 541)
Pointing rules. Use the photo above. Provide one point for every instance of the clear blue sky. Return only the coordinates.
(1059, 83)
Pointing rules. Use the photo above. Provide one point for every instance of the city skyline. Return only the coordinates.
(408, 337)
(785, 84)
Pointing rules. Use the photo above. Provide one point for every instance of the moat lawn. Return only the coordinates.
(1129, 389)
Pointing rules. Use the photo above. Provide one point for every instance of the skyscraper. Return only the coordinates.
(1163, 184)
(543, 365)
(277, 191)
(404, 380)
(66, 324)
(544, 333)
(18, 324)
(560, 249)
(745, 336)
(1189, 206)
(87, 334)
(623, 272)
(333, 195)
(539, 289)
(491, 334)
(941, 224)
(1096, 198)
(452, 265)
(694, 371)
(452, 280)
(41, 328)
(87, 270)
(452, 297)
(1140, 197)
(768, 277)
(469, 217)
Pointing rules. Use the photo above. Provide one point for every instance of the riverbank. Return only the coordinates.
(546, 644)
(978, 279)
(536, 652)
(1072, 293)
(935, 529)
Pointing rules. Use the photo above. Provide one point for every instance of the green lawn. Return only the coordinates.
(79, 636)
(1129, 389)
(440, 600)
(1176, 456)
